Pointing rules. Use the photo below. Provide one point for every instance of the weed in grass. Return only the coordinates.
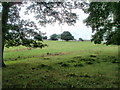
(33, 68)
(45, 58)
(93, 56)
(14, 59)
(85, 75)
(48, 53)
(71, 86)
(60, 63)
(77, 57)
(89, 62)
(112, 59)
(45, 66)
(98, 61)
(115, 61)
(71, 61)
(58, 58)
(18, 57)
(42, 65)
(50, 68)
(65, 65)
(72, 75)
(78, 65)
(9, 58)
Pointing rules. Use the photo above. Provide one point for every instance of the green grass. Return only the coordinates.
(62, 65)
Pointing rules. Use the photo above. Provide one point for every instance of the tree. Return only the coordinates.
(38, 37)
(54, 37)
(45, 37)
(67, 36)
(80, 39)
(104, 19)
(17, 32)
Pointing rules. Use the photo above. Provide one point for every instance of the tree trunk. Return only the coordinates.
(3, 64)
(5, 11)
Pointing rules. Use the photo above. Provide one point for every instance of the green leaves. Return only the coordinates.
(103, 19)
(54, 37)
(66, 36)
(38, 37)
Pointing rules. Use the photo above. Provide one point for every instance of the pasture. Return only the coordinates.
(62, 64)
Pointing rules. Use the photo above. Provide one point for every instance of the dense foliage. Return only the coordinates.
(44, 37)
(54, 37)
(80, 39)
(66, 35)
(38, 37)
(104, 19)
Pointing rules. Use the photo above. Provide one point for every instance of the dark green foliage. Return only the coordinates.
(60, 63)
(45, 37)
(80, 39)
(45, 67)
(15, 32)
(113, 38)
(104, 19)
(38, 37)
(78, 65)
(116, 61)
(45, 58)
(54, 37)
(93, 56)
(66, 35)
(89, 62)
(72, 75)
(77, 57)
(65, 65)
(71, 61)
(87, 59)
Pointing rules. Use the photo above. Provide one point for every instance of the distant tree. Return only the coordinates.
(45, 37)
(54, 37)
(38, 37)
(80, 39)
(67, 36)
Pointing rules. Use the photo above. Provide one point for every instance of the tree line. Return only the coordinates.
(66, 35)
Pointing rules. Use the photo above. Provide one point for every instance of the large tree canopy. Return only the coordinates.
(66, 35)
(16, 31)
(54, 37)
(104, 19)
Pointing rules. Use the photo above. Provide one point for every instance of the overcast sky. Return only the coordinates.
(79, 30)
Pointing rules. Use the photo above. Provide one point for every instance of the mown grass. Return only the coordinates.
(62, 65)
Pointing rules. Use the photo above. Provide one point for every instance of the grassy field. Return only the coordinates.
(62, 65)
